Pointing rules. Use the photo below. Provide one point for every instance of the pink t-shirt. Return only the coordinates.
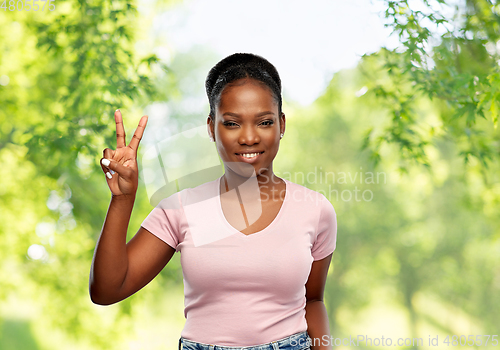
(244, 290)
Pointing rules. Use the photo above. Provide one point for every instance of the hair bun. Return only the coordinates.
(238, 66)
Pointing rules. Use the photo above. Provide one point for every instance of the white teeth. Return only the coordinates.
(250, 155)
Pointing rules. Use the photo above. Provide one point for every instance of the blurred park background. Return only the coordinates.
(396, 125)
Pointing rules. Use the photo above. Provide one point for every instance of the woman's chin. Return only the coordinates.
(241, 168)
(246, 170)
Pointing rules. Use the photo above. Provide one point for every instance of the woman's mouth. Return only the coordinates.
(249, 157)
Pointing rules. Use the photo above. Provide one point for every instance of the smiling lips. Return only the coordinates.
(249, 157)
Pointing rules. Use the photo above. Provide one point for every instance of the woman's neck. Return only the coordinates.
(264, 182)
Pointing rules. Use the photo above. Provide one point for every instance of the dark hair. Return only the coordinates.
(238, 66)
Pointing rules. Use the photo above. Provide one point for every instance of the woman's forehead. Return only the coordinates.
(244, 81)
(247, 96)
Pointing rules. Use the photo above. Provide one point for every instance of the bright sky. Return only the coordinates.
(307, 41)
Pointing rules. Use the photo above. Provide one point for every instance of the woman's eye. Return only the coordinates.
(267, 122)
(229, 123)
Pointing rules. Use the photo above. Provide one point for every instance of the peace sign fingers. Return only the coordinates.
(120, 130)
(120, 165)
(134, 143)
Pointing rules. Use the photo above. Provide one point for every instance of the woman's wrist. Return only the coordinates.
(123, 198)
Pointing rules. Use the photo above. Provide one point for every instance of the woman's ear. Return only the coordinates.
(210, 128)
(282, 123)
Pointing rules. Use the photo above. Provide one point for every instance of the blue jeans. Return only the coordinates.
(297, 341)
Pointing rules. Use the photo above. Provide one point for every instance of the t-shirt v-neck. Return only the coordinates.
(267, 228)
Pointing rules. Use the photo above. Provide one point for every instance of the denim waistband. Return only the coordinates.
(297, 341)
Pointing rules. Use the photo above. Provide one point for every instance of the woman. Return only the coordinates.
(255, 248)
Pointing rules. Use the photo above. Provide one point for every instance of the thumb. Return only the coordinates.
(117, 167)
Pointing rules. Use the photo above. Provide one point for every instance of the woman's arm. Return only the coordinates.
(318, 325)
(118, 268)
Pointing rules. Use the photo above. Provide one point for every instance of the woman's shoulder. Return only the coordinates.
(302, 193)
(190, 195)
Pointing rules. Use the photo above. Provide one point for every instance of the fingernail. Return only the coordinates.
(117, 110)
(105, 162)
(111, 171)
(109, 175)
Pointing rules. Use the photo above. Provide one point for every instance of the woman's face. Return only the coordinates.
(247, 127)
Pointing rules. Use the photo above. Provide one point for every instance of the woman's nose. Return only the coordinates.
(249, 136)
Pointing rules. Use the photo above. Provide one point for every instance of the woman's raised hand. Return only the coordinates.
(120, 165)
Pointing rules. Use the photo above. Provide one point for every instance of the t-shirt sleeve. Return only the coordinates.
(164, 220)
(326, 233)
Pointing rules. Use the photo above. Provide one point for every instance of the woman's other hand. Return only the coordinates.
(120, 165)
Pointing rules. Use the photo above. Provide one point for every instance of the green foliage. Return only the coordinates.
(68, 71)
(453, 60)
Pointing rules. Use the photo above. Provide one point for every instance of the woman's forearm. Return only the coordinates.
(318, 325)
(110, 262)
